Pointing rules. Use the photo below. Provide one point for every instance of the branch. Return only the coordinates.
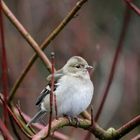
(133, 7)
(100, 133)
(109, 134)
(115, 60)
(4, 64)
(26, 35)
(5, 131)
(29, 39)
(39, 126)
(16, 119)
(61, 122)
(128, 127)
(136, 137)
(86, 115)
(51, 94)
(48, 40)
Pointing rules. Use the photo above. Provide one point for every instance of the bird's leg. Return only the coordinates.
(72, 119)
(77, 121)
(68, 117)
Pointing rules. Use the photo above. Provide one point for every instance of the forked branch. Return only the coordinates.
(109, 134)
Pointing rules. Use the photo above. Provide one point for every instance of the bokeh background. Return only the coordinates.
(93, 34)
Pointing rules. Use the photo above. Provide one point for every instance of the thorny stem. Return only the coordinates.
(115, 60)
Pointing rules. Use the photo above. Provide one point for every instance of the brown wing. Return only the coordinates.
(47, 89)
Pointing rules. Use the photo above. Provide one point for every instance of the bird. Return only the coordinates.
(73, 90)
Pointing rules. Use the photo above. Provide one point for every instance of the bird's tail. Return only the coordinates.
(36, 117)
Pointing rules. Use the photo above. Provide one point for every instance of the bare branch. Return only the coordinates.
(133, 7)
(86, 115)
(3, 64)
(39, 126)
(136, 137)
(115, 60)
(61, 122)
(128, 127)
(30, 40)
(109, 134)
(51, 94)
(5, 131)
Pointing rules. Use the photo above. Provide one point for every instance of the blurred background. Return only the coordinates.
(93, 34)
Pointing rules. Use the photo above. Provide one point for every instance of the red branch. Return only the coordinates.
(5, 131)
(55, 104)
(129, 126)
(39, 126)
(51, 94)
(11, 113)
(115, 60)
(136, 137)
(4, 64)
(133, 7)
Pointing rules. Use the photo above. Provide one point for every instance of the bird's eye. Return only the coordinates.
(78, 66)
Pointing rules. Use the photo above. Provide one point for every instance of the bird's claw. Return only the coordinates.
(72, 119)
(77, 121)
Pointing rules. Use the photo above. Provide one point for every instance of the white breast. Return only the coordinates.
(73, 95)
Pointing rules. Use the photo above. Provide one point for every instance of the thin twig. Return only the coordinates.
(128, 127)
(136, 137)
(109, 134)
(25, 34)
(22, 117)
(92, 118)
(51, 94)
(100, 133)
(88, 135)
(55, 105)
(86, 115)
(27, 132)
(133, 7)
(4, 65)
(61, 122)
(47, 41)
(14, 129)
(29, 39)
(115, 60)
(5, 131)
(40, 126)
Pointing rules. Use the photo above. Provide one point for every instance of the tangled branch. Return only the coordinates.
(99, 132)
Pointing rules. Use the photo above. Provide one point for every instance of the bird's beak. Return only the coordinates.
(89, 69)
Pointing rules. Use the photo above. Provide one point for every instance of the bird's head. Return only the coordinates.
(77, 66)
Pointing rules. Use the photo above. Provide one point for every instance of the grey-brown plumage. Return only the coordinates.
(73, 89)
